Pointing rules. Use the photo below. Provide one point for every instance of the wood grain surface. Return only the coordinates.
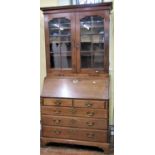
(83, 88)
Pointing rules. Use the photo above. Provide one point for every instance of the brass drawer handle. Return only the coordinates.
(57, 132)
(57, 111)
(57, 121)
(73, 111)
(72, 121)
(90, 135)
(90, 123)
(57, 102)
(88, 104)
(89, 113)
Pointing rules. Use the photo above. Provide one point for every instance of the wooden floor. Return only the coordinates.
(71, 150)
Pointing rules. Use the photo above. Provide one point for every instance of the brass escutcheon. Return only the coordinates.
(90, 123)
(89, 113)
(73, 121)
(57, 121)
(57, 111)
(73, 110)
(88, 104)
(57, 102)
(90, 135)
(57, 132)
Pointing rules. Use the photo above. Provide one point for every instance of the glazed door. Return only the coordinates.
(92, 42)
(60, 36)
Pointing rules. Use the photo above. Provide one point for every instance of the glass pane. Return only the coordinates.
(86, 21)
(92, 42)
(65, 47)
(66, 59)
(89, 60)
(54, 32)
(54, 23)
(65, 31)
(85, 46)
(55, 47)
(55, 39)
(68, 46)
(98, 46)
(98, 30)
(97, 21)
(86, 38)
(65, 39)
(66, 55)
(86, 31)
(98, 60)
(86, 60)
(60, 45)
(64, 23)
(55, 60)
(62, 60)
(97, 38)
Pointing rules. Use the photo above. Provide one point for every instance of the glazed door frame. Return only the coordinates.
(105, 15)
(60, 71)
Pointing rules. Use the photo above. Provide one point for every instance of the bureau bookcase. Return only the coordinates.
(75, 95)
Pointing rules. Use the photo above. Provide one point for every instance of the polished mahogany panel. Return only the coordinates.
(80, 88)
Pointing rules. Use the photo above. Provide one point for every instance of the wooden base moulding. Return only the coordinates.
(104, 146)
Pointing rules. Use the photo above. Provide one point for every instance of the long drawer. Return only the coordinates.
(79, 112)
(89, 123)
(76, 134)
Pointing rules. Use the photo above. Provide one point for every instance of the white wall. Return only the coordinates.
(111, 69)
(64, 2)
(44, 3)
(42, 52)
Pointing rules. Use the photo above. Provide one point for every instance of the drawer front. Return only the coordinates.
(90, 103)
(80, 112)
(88, 123)
(76, 134)
(57, 102)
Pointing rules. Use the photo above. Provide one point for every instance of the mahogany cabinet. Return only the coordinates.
(75, 95)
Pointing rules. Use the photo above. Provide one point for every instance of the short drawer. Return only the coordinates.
(78, 112)
(57, 102)
(89, 123)
(90, 103)
(75, 134)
